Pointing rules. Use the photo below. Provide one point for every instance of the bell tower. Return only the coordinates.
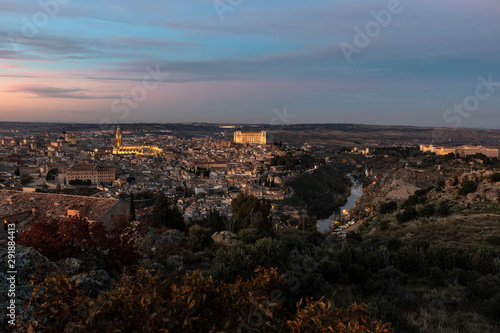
(118, 137)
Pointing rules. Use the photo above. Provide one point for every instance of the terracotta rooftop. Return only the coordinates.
(51, 205)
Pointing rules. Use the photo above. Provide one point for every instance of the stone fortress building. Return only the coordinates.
(250, 137)
(461, 150)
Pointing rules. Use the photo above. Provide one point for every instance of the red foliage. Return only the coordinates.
(71, 238)
(58, 239)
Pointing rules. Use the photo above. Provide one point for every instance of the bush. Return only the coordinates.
(199, 238)
(443, 209)
(384, 225)
(407, 215)
(427, 211)
(187, 303)
(248, 236)
(354, 236)
(410, 202)
(493, 240)
(243, 259)
(495, 177)
(467, 187)
(77, 238)
(388, 207)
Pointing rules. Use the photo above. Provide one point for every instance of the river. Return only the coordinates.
(356, 193)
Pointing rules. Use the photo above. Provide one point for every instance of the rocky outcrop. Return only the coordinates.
(92, 283)
(69, 266)
(491, 194)
(172, 236)
(225, 238)
(475, 176)
(175, 263)
(400, 190)
(145, 244)
(27, 262)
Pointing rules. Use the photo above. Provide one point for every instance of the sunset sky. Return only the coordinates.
(210, 61)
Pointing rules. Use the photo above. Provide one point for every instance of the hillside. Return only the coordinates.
(322, 190)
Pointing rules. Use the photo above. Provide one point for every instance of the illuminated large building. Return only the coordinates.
(461, 150)
(120, 149)
(96, 174)
(250, 137)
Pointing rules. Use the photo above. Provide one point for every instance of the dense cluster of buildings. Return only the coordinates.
(461, 150)
(200, 173)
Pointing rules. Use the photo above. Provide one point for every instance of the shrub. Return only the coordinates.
(427, 210)
(410, 202)
(384, 225)
(242, 259)
(388, 207)
(187, 303)
(495, 177)
(248, 236)
(467, 187)
(77, 238)
(407, 215)
(443, 209)
(493, 240)
(199, 238)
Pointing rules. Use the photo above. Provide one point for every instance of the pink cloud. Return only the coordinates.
(10, 66)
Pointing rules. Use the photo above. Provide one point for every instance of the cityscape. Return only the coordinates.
(233, 166)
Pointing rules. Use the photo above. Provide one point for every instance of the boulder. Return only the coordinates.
(225, 238)
(69, 266)
(401, 190)
(450, 182)
(92, 283)
(145, 244)
(492, 194)
(472, 197)
(156, 267)
(172, 236)
(27, 262)
(175, 263)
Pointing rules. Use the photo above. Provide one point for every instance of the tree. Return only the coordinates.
(52, 174)
(467, 187)
(160, 210)
(250, 212)
(131, 215)
(407, 215)
(164, 216)
(215, 220)
(388, 207)
(443, 209)
(199, 238)
(427, 210)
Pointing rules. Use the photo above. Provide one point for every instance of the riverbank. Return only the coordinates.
(355, 192)
(322, 191)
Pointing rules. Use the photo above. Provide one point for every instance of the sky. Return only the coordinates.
(421, 62)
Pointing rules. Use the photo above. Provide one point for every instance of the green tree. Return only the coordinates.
(131, 215)
(215, 220)
(388, 207)
(199, 238)
(250, 212)
(164, 216)
(467, 187)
